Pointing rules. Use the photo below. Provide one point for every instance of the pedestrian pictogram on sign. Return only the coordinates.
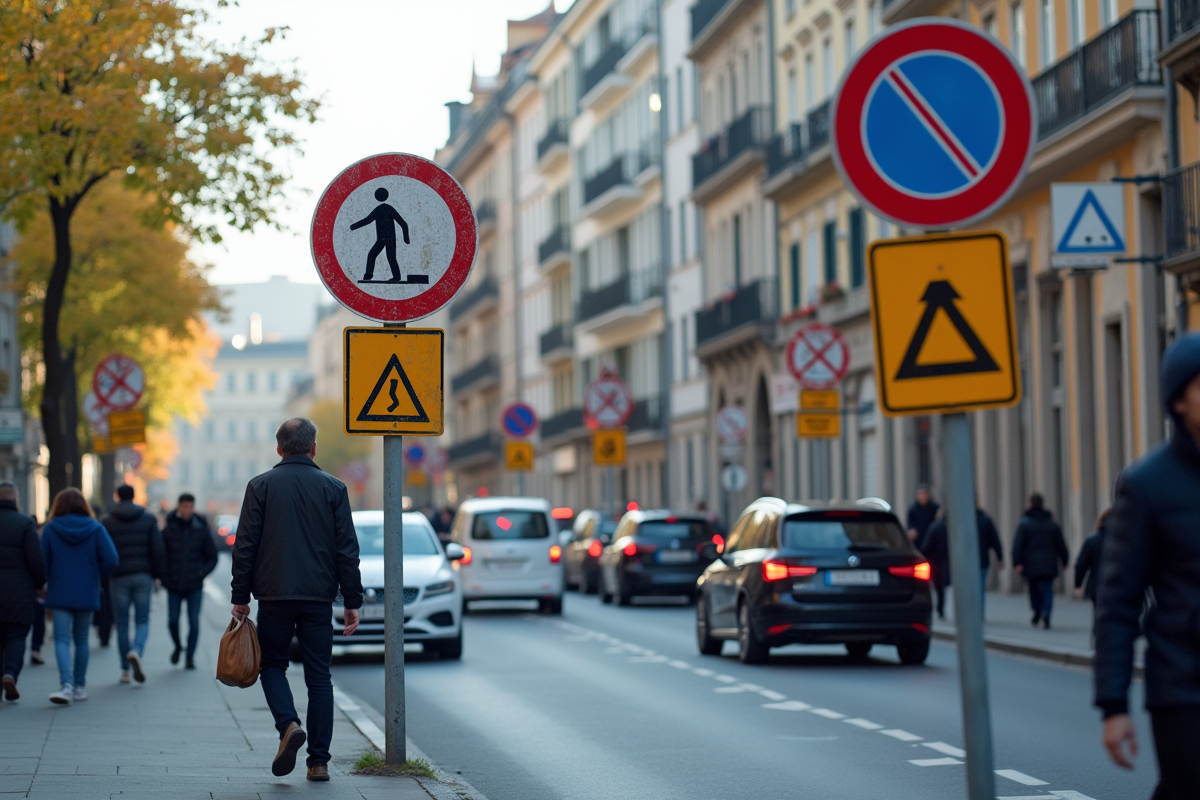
(608, 447)
(393, 381)
(1087, 223)
(355, 227)
(933, 124)
(818, 356)
(518, 456)
(607, 401)
(519, 420)
(942, 315)
(119, 382)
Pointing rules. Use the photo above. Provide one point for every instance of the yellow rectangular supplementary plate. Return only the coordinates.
(126, 437)
(818, 426)
(816, 399)
(127, 420)
(943, 323)
(101, 445)
(394, 381)
(417, 478)
(518, 456)
(608, 447)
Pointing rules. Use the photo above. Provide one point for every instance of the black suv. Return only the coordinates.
(655, 553)
(816, 574)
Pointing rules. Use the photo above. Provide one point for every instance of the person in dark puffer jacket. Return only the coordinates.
(1152, 542)
(191, 556)
(139, 543)
(1039, 553)
(22, 576)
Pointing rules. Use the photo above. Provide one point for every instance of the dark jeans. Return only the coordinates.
(940, 593)
(1175, 744)
(174, 603)
(312, 625)
(12, 643)
(1041, 596)
(39, 628)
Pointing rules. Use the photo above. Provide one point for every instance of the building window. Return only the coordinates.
(789, 11)
(810, 80)
(185, 471)
(231, 382)
(794, 273)
(682, 231)
(233, 471)
(830, 233)
(185, 433)
(989, 24)
(737, 250)
(683, 346)
(679, 98)
(874, 19)
(231, 429)
(858, 271)
(1108, 12)
(210, 471)
(210, 431)
(251, 470)
(851, 39)
(251, 431)
(793, 95)
(1016, 26)
(272, 381)
(1049, 52)
(251, 381)
(1076, 32)
(827, 75)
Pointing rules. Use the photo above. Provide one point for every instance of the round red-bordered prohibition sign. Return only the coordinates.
(119, 382)
(818, 356)
(334, 274)
(983, 125)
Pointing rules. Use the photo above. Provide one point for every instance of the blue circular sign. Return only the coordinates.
(519, 420)
(414, 454)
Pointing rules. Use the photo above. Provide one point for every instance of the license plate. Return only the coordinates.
(374, 611)
(506, 565)
(676, 556)
(852, 577)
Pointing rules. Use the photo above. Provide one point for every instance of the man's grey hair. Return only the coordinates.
(296, 437)
(8, 490)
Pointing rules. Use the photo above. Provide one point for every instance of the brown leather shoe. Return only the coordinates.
(289, 744)
(318, 773)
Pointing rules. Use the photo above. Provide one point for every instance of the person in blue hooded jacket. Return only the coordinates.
(78, 553)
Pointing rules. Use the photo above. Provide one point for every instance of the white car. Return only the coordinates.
(433, 598)
(509, 551)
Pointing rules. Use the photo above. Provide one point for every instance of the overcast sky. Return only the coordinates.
(383, 70)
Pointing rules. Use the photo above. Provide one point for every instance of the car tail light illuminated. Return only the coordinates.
(631, 505)
(555, 554)
(595, 548)
(562, 513)
(633, 549)
(719, 541)
(775, 630)
(918, 626)
(778, 570)
(230, 539)
(921, 572)
(467, 556)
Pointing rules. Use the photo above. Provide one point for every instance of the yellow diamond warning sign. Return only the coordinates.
(518, 456)
(393, 381)
(942, 315)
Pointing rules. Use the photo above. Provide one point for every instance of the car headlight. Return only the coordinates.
(442, 587)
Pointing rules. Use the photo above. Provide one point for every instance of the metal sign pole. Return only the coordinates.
(393, 596)
(968, 604)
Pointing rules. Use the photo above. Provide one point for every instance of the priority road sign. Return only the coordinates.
(1087, 223)
(731, 424)
(607, 401)
(942, 314)
(518, 456)
(819, 399)
(393, 237)
(818, 356)
(119, 382)
(811, 425)
(933, 124)
(519, 420)
(393, 381)
(608, 447)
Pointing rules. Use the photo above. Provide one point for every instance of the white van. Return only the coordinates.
(510, 551)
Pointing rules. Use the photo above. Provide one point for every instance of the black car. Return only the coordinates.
(581, 556)
(656, 553)
(841, 573)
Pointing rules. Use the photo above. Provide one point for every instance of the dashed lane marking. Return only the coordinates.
(679, 664)
(948, 749)
(934, 762)
(827, 713)
(1071, 794)
(725, 678)
(767, 693)
(1020, 777)
(788, 705)
(739, 688)
(703, 673)
(903, 736)
(865, 724)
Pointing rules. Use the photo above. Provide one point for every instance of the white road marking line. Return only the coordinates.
(739, 688)
(903, 736)
(767, 693)
(827, 713)
(703, 673)
(948, 749)
(725, 678)
(788, 705)
(679, 664)
(648, 660)
(1020, 777)
(1024, 797)
(865, 724)
(934, 762)
(1071, 794)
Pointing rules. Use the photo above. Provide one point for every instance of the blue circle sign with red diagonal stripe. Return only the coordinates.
(519, 420)
(933, 124)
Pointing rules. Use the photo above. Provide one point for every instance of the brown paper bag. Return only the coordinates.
(237, 660)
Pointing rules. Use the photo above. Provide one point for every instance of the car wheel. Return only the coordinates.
(624, 596)
(602, 588)
(591, 584)
(913, 654)
(451, 648)
(754, 650)
(707, 644)
(858, 649)
(553, 605)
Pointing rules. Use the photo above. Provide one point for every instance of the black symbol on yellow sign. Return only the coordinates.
(941, 295)
(518, 456)
(608, 447)
(393, 368)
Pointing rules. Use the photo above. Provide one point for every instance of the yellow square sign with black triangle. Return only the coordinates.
(394, 381)
(943, 322)
(518, 456)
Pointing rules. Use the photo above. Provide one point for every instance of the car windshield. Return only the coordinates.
(676, 529)
(510, 525)
(809, 533)
(417, 540)
(607, 526)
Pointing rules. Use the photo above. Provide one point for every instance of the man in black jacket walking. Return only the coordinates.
(191, 554)
(1152, 542)
(1039, 554)
(296, 549)
(22, 576)
(139, 544)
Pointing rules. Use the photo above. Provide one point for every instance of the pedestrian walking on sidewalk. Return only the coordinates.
(139, 544)
(1039, 555)
(191, 555)
(22, 577)
(78, 553)
(1087, 563)
(1152, 542)
(296, 550)
(921, 514)
(934, 544)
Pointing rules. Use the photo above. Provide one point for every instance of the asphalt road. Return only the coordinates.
(611, 702)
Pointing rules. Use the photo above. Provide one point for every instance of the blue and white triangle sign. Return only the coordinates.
(1088, 219)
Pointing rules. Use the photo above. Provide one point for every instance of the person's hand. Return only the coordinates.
(1119, 737)
(1019, 569)
(1078, 592)
(240, 611)
(351, 621)
(912, 534)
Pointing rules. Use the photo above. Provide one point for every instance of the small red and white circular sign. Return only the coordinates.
(731, 424)
(95, 412)
(393, 237)
(607, 401)
(818, 356)
(119, 382)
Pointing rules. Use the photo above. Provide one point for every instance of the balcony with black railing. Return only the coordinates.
(483, 372)
(748, 312)
(730, 153)
(799, 148)
(557, 341)
(630, 290)
(1181, 52)
(1120, 60)
(485, 293)
(556, 137)
(602, 67)
(648, 413)
(617, 173)
(1181, 219)
(555, 246)
(483, 448)
(485, 216)
(567, 421)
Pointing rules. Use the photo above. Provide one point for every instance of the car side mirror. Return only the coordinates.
(455, 552)
(709, 552)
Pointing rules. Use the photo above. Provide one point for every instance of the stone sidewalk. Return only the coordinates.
(181, 735)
